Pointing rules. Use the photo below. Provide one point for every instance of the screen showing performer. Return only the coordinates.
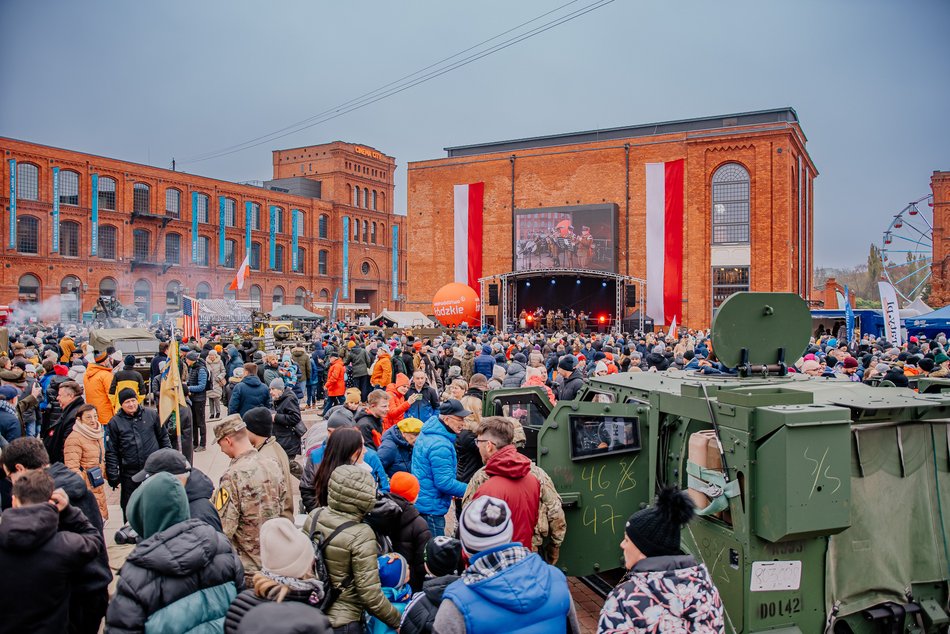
(581, 237)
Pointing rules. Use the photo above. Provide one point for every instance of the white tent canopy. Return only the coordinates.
(405, 319)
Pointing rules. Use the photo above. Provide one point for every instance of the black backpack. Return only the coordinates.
(330, 593)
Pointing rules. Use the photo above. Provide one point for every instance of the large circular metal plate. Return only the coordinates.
(762, 323)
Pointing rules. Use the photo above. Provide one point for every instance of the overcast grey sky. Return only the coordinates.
(146, 81)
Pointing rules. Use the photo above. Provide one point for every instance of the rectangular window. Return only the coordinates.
(203, 243)
(106, 194)
(27, 181)
(727, 280)
(69, 239)
(229, 212)
(173, 248)
(255, 217)
(229, 253)
(173, 203)
(255, 260)
(107, 242)
(140, 245)
(593, 436)
(202, 210)
(279, 258)
(68, 188)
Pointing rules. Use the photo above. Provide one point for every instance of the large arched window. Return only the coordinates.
(730, 205)
(229, 212)
(142, 295)
(68, 188)
(202, 209)
(172, 248)
(70, 290)
(365, 231)
(256, 294)
(324, 295)
(230, 250)
(278, 296)
(374, 199)
(366, 197)
(323, 226)
(322, 261)
(141, 245)
(204, 246)
(203, 291)
(28, 289)
(382, 233)
(69, 239)
(255, 259)
(173, 202)
(300, 296)
(106, 193)
(27, 181)
(108, 287)
(141, 198)
(107, 242)
(173, 294)
(357, 196)
(372, 235)
(356, 230)
(27, 234)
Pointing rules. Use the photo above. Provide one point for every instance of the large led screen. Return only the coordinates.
(577, 237)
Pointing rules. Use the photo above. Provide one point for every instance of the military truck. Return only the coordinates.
(139, 342)
(824, 505)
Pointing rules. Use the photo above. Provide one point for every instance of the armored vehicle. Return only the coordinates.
(140, 342)
(824, 504)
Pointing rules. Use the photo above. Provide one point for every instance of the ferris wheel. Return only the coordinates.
(907, 250)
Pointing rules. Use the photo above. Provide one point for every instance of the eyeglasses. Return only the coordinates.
(479, 441)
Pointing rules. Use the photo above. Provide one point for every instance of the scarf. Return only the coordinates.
(91, 434)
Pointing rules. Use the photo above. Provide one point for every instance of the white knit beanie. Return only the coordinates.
(285, 551)
(485, 524)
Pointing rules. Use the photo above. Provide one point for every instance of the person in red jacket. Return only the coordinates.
(510, 478)
(398, 405)
(335, 383)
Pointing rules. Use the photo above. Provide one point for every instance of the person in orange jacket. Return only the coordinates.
(382, 370)
(95, 386)
(398, 405)
(336, 381)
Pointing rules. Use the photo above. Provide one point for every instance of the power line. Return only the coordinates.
(397, 86)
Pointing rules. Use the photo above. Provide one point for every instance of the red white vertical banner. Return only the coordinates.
(664, 241)
(468, 233)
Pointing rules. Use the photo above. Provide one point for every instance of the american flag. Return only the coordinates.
(189, 321)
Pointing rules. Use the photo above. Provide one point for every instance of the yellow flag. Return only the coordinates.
(171, 395)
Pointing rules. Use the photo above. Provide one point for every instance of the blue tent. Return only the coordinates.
(930, 324)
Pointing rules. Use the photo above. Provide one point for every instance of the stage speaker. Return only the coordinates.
(631, 296)
(493, 294)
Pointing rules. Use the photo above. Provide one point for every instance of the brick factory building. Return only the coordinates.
(745, 198)
(77, 226)
(940, 269)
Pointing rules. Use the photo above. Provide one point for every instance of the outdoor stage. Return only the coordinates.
(605, 297)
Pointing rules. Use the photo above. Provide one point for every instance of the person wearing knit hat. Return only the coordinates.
(259, 423)
(405, 485)
(521, 593)
(353, 396)
(178, 557)
(442, 558)
(395, 448)
(569, 378)
(661, 582)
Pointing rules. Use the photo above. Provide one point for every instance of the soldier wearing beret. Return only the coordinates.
(251, 491)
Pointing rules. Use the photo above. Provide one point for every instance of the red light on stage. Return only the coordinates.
(530, 318)
(602, 319)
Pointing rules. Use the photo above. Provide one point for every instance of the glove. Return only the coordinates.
(551, 553)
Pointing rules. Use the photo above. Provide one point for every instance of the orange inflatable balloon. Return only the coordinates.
(455, 303)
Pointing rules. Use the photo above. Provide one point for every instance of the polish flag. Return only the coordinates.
(243, 273)
(664, 241)
(468, 233)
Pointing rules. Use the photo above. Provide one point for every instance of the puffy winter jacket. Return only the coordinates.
(311, 619)
(382, 370)
(646, 594)
(181, 579)
(9, 422)
(130, 440)
(84, 451)
(434, 464)
(515, 375)
(42, 553)
(570, 387)
(509, 589)
(358, 361)
(395, 452)
(370, 426)
(95, 389)
(336, 379)
(485, 362)
(199, 489)
(397, 402)
(420, 613)
(351, 493)
(286, 419)
(510, 479)
(302, 359)
(427, 406)
(247, 395)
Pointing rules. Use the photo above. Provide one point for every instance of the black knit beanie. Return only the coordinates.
(259, 421)
(655, 531)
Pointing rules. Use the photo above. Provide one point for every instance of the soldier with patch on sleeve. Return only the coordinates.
(251, 491)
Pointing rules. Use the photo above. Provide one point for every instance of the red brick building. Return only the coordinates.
(79, 226)
(940, 280)
(748, 203)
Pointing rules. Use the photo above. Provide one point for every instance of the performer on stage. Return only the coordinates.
(572, 320)
(585, 247)
(581, 321)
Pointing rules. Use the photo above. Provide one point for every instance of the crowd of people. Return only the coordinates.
(416, 513)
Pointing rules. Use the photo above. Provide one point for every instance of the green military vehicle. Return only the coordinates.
(824, 505)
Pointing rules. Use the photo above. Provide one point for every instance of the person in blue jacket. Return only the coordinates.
(427, 406)
(249, 393)
(395, 451)
(435, 463)
(506, 587)
(485, 362)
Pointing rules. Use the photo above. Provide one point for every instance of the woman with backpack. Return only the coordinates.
(287, 578)
(350, 549)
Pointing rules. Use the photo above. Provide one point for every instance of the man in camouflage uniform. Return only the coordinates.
(251, 492)
(551, 527)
